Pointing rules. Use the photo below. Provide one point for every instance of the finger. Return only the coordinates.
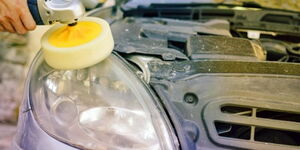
(1, 28)
(18, 26)
(7, 26)
(2, 12)
(27, 19)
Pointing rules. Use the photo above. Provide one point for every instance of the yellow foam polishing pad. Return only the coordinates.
(79, 46)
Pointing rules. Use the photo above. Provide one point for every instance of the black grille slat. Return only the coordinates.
(254, 124)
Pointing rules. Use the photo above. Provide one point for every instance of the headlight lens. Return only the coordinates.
(101, 107)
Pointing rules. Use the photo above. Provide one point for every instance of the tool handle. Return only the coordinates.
(34, 10)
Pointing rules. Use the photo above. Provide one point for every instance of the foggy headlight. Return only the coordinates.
(101, 107)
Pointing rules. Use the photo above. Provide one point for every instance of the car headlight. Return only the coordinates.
(101, 107)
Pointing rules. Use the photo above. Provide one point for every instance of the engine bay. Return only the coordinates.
(229, 78)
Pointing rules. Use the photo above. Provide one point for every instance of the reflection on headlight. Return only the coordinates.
(111, 125)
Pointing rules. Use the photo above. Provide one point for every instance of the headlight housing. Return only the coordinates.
(101, 107)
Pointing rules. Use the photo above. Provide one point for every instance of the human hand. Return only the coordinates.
(15, 16)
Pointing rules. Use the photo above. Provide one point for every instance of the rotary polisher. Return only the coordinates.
(77, 42)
